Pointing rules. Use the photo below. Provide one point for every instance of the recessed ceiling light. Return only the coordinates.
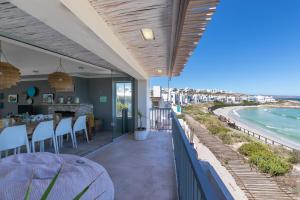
(213, 8)
(147, 34)
(81, 67)
(159, 70)
(209, 14)
(195, 43)
(35, 71)
(203, 29)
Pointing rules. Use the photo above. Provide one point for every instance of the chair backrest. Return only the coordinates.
(13, 137)
(80, 123)
(64, 126)
(43, 131)
(91, 120)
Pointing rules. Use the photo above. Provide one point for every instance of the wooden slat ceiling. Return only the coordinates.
(197, 15)
(16, 24)
(127, 17)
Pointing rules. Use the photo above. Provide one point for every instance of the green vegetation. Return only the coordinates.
(248, 103)
(272, 160)
(52, 184)
(181, 116)
(214, 125)
(265, 159)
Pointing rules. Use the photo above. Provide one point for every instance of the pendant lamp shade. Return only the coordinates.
(61, 81)
(9, 75)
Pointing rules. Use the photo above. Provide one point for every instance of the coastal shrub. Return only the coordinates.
(269, 163)
(293, 157)
(239, 137)
(226, 137)
(181, 116)
(251, 148)
(216, 129)
(265, 160)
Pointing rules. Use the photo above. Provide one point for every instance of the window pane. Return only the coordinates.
(123, 98)
(128, 98)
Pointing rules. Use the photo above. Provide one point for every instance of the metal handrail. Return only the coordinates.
(193, 182)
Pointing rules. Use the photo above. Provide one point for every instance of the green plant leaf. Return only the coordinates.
(27, 195)
(52, 183)
(78, 196)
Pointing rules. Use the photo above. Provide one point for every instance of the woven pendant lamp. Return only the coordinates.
(9, 75)
(61, 81)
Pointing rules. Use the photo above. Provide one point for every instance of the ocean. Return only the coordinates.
(284, 122)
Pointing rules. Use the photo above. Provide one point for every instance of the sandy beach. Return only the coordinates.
(232, 114)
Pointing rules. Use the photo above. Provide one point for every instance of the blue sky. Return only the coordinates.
(250, 46)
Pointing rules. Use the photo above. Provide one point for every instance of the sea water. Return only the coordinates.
(285, 122)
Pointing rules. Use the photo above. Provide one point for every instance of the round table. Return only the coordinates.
(17, 171)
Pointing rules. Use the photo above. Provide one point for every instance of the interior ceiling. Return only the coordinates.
(127, 17)
(36, 63)
(16, 24)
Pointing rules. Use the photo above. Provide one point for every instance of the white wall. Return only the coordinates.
(143, 101)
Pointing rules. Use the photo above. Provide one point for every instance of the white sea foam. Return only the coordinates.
(272, 127)
(236, 113)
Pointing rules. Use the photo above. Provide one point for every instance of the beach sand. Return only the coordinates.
(232, 114)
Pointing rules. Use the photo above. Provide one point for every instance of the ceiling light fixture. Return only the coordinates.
(209, 14)
(9, 74)
(61, 81)
(147, 34)
(209, 18)
(159, 70)
(213, 8)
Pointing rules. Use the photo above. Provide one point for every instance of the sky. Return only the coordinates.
(250, 46)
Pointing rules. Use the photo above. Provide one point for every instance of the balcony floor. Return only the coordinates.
(140, 169)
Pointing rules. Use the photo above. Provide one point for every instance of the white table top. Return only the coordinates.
(77, 172)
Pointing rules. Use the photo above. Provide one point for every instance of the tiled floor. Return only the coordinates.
(99, 139)
(140, 170)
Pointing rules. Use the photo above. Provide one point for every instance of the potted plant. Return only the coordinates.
(141, 132)
(124, 109)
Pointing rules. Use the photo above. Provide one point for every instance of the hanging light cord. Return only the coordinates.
(60, 67)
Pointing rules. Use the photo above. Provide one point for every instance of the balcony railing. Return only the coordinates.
(196, 180)
(161, 118)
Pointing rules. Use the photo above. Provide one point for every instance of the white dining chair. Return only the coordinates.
(42, 132)
(80, 125)
(64, 127)
(14, 138)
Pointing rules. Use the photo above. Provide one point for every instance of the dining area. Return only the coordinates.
(40, 133)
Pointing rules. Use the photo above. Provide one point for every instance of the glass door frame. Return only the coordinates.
(115, 118)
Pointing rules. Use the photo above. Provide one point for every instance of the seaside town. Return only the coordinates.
(186, 96)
